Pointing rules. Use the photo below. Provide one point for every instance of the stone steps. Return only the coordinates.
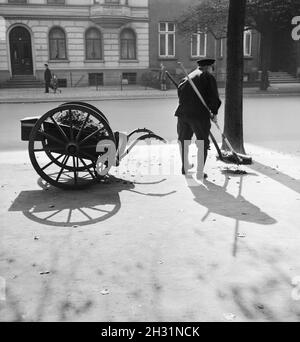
(282, 77)
(23, 81)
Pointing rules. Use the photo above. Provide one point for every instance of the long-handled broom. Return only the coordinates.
(233, 157)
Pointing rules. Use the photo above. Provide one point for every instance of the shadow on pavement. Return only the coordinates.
(277, 176)
(54, 207)
(269, 296)
(217, 200)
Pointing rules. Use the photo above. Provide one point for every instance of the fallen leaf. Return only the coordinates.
(242, 235)
(260, 306)
(104, 292)
(229, 316)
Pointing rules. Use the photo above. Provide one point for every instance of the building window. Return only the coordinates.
(221, 48)
(57, 44)
(17, 1)
(199, 41)
(166, 40)
(129, 77)
(128, 44)
(96, 79)
(112, 2)
(93, 44)
(55, 2)
(247, 43)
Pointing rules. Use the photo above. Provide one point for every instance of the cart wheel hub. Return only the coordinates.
(72, 148)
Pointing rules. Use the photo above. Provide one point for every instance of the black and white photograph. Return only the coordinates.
(150, 163)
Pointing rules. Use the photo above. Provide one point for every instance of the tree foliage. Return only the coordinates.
(275, 13)
(266, 16)
(208, 15)
(212, 16)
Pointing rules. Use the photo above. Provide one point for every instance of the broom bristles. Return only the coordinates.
(231, 158)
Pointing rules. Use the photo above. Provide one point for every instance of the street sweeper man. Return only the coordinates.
(193, 117)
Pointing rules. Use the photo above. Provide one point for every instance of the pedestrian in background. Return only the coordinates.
(163, 77)
(47, 78)
(54, 84)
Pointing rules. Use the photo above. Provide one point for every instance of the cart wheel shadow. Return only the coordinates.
(53, 207)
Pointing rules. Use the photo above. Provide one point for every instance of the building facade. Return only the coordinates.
(107, 42)
(168, 46)
(83, 41)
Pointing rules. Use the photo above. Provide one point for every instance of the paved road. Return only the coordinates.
(266, 120)
(157, 247)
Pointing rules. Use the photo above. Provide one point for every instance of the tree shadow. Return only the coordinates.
(16, 313)
(267, 298)
(17, 309)
(277, 176)
(52, 206)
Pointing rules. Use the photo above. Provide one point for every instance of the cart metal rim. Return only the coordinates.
(69, 149)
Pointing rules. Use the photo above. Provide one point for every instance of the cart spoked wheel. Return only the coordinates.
(63, 145)
(89, 106)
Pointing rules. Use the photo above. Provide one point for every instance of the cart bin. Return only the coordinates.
(27, 125)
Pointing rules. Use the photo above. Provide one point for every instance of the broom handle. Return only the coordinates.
(206, 106)
(171, 79)
(194, 87)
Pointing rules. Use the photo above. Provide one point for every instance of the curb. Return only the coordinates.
(86, 98)
(134, 97)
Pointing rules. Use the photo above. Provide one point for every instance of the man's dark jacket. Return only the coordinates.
(190, 106)
(47, 75)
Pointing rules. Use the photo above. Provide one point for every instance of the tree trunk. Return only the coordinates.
(233, 128)
(266, 37)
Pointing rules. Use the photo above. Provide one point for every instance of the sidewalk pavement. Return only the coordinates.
(128, 92)
(153, 245)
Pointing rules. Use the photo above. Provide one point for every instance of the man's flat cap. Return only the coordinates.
(206, 62)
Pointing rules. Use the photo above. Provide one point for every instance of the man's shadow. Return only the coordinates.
(218, 201)
(54, 207)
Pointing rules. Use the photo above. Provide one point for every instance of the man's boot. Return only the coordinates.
(201, 159)
(184, 154)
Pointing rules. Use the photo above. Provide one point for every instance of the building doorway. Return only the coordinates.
(20, 51)
(283, 53)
